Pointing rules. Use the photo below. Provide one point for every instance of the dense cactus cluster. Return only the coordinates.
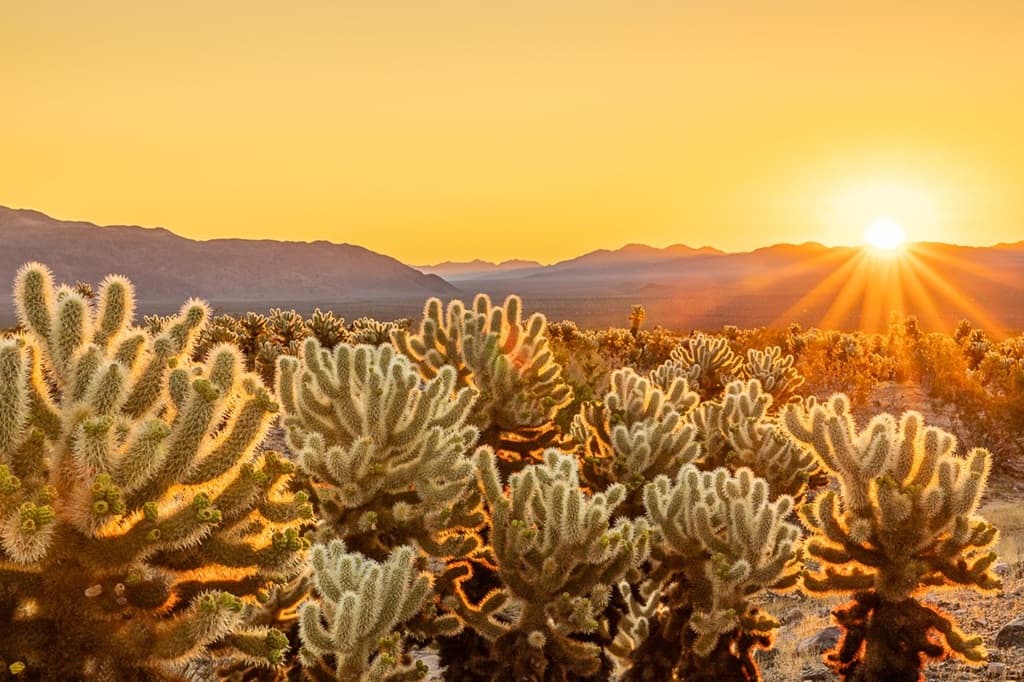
(530, 502)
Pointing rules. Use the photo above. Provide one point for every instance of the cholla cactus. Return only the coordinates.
(328, 329)
(637, 433)
(350, 634)
(154, 324)
(284, 334)
(774, 371)
(904, 521)
(558, 557)
(220, 330)
(505, 360)
(738, 431)
(706, 362)
(373, 332)
(636, 318)
(725, 540)
(255, 329)
(634, 623)
(389, 455)
(134, 511)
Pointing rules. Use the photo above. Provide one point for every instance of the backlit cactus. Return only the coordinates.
(134, 509)
(738, 430)
(373, 332)
(506, 360)
(388, 454)
(558, 557)
(638, 432)
(774, 371)
(904, 521)
(350, 632)
(328, 329)
(706, 362)
(721, 539)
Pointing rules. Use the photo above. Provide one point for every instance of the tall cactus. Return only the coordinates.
(506, 360)
(134, 509)
(904, 520)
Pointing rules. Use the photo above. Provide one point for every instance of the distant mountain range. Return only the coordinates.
(453, 271)
(680, 287)
(628, 257)
(167, 268)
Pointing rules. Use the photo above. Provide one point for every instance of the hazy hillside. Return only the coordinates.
(453, 270)
(169, 268)
(680, 287)
(838, 287)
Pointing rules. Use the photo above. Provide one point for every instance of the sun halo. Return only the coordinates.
(885, 234)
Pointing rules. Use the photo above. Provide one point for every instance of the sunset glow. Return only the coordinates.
(885, 234)
(455, 131)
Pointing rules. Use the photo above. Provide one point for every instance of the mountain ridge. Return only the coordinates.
(168, 267)
(680, 286)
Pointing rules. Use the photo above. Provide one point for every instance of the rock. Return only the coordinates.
(996, 670)
(816, 675)
(820, 642)
(791, 615)
(1002, 569)
(1011, 634)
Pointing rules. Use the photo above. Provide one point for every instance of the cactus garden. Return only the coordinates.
(479, 494)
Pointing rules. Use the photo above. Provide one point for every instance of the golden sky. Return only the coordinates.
(433, 130)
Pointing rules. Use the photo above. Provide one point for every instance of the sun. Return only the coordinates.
(885, 234)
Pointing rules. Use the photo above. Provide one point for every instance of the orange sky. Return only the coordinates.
(452, 130)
